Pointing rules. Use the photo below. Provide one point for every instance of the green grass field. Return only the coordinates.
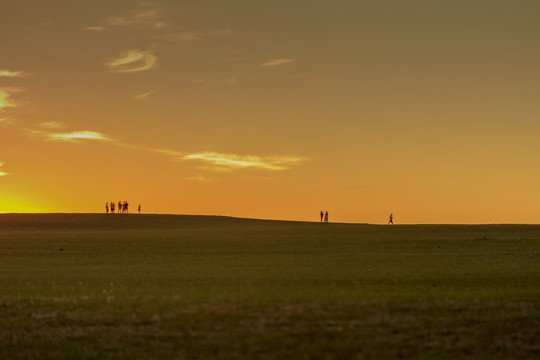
(84, 286)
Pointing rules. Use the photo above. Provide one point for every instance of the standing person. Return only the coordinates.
(126, 207)
(106, 208)
(391, 219)
(139, 208)
(322, 215)
(112, 207)
(119, 207)
(326, 217)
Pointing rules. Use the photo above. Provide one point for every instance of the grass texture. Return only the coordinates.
(92, 286)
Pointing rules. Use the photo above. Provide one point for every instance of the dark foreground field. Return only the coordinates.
(188, 287)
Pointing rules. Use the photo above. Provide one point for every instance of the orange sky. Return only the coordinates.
(273, 109)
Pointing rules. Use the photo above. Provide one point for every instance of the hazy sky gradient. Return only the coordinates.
(273, 109)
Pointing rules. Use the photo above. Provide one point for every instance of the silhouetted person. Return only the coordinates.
(120, 207)
(322, 215)
(106, 208)
(112, 208)
(126, 206)
(326, 217)
(391, 219)
(139, 208)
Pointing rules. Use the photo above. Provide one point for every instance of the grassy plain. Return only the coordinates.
(91, 286)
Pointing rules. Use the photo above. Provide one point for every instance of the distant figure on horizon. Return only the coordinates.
(391, 221)
(106, 208)
(119, 207)
(322, 215)
(326, 217)
(112, 207)
(126, 207)
(139, 208)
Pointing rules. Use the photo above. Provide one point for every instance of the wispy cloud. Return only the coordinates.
(79, 135)
(144, 95)
(172, 153)
(227, 162)
(74, 136)
(199, 178)
(2, 173)
(276, 62)
(95, 28)
(182, 36)
(132, 61)
(5, 121)
(212, 161)
(233, 161)
(13, 74)
(148, 17)
(5, 95)
(51, 125)
(186, 36)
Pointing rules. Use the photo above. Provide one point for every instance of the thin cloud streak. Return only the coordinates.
(79, 135)
(5, 121)
(144, 95)
(51, 125)
(227, 162)
(246, 161)
(187, 36)
(200, 178)
(215, 161)
(172, 153)
(134, 60)
(5, 94)
(95, 28)
(2, 173)
(151, 18)
(12, 74)
(183, 36)
(276, 62)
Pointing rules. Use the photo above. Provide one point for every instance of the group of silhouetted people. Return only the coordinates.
(123, 207)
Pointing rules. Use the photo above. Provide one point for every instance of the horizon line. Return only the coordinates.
(263, 219)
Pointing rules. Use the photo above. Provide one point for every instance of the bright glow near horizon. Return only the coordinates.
(273, 109)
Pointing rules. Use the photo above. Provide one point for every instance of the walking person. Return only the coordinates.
(106, 208)
(391, 219)
(322, 216)
(326, 217)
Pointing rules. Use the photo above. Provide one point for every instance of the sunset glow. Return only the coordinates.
(427, 110)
